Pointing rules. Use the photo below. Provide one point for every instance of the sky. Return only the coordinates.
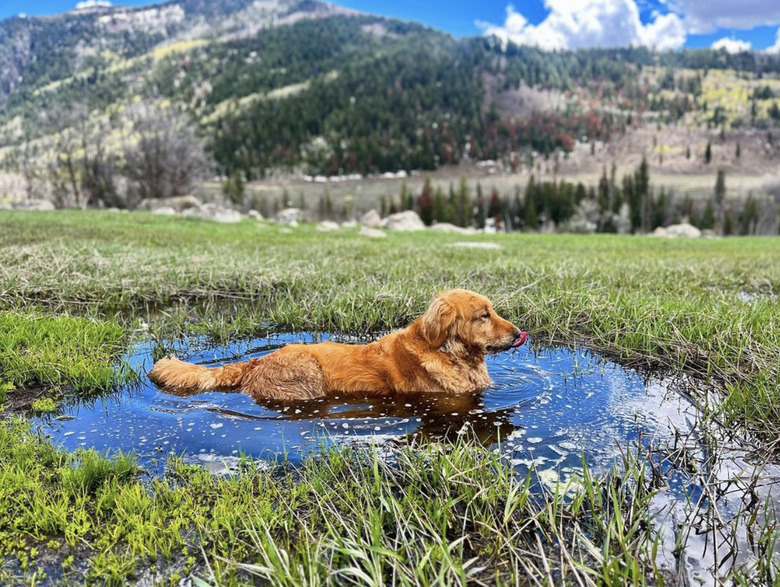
(559, 24)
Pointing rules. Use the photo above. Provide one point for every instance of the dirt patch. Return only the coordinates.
(19, 401)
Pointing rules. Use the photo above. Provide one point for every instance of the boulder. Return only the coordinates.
(661, 231)
(164, 211)
(289, 216)
(40, 206)
(684, 230)
(214, 213)
(327, 226)
(371, 219)
(178, 203)
(372, 232)
(407, 220)
(447, 227)
(255, 214)
(477, 245)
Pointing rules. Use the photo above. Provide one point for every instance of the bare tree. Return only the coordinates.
(83, 171)
(165, 157)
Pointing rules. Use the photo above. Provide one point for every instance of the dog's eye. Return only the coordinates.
(486, 315)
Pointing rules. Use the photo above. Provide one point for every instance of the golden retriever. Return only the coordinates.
(442, 351)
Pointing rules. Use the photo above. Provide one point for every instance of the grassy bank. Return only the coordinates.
(39, 350)
(435, 516)
(708, 306)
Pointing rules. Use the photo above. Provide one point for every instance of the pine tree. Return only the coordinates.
(463, 211)
(531, 216)
(440, 206)
(425, 202)
(718, 198)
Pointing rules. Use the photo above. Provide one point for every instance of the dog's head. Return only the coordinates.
(463, 319)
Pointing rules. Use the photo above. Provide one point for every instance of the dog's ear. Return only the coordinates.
(437, 321)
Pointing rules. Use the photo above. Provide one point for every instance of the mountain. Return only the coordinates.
(285, 85)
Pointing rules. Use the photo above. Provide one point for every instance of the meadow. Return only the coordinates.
(77, 287)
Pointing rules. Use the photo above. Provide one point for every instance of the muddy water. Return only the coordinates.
(547, 407)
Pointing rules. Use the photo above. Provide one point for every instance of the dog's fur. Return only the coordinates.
(442, 351)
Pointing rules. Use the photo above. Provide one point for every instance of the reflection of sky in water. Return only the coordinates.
(546, 406)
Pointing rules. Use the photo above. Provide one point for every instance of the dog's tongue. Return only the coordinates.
(521, 339)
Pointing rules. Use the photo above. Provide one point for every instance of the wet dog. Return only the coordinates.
(443, 351)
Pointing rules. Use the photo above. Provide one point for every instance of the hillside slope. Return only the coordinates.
(291, 86)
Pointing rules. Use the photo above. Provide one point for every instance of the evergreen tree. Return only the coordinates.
(463, 211)
(440, 206)
(425, 203)
(718, 197)
(496, 207)
(707, 221)
(531, 216)
(479, 218)
(750, 216)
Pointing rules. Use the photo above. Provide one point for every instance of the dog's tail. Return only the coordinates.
(171, 373)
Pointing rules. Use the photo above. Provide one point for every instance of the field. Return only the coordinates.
(706, 307)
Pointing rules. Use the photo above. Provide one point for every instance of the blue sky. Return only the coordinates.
(664, 24)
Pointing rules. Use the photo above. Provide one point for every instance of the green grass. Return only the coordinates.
(669, 303)
(45, 350)
(76, 286)
(435, 516)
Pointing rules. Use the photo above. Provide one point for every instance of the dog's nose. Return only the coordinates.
(520, 338)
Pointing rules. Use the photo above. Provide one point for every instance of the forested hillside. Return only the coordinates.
(307, 87)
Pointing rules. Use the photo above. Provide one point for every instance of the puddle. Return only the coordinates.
(548, 408)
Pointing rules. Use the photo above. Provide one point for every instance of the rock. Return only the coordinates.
(447, 227)
(683, 231)
(164, 211)
(214, 213)
(41, 206)
(349, 224)
(371, 219)
(289, 216)
(178, 203)
(407, 220)
(327, 226)
(476, 245)
(661, 231)
(255, 214)
(372, 232)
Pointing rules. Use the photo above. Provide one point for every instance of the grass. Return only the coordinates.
(653, 301)
(430, 516)
(76, 286)
(56, 350)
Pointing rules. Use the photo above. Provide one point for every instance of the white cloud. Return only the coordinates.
(776, 47)
(93, 4)
(705, 17)
(590, 23)
(732, 45)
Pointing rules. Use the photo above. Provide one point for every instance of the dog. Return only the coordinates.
(443, 351)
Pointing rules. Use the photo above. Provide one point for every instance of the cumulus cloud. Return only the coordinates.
(705, 17)
(572, 24)
(732, 45)
(93, 4)
(776, 47)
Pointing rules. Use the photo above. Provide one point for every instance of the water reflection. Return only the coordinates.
(547, 405)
